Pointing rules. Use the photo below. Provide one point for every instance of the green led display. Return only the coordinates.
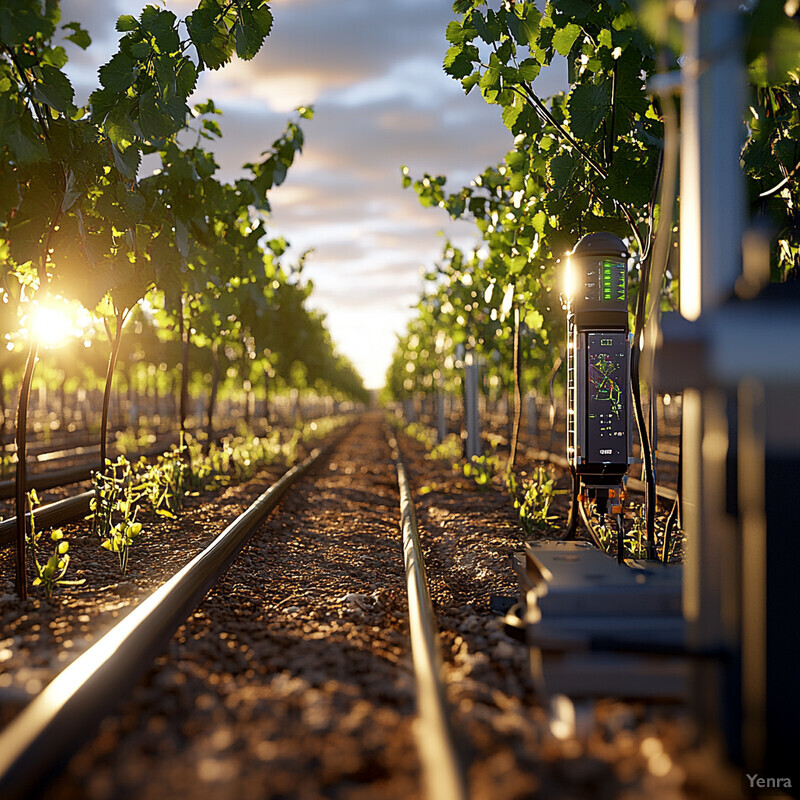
(612, 281)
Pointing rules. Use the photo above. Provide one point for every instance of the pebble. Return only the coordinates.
(362, 601)
(326, 709)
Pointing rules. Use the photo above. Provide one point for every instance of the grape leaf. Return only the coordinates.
(564, 38)
(119, 73)
(52, 87)
(457, 61)
(588, 105)
(79, 35)
(154, 123)
(127, 23)
(127, 161)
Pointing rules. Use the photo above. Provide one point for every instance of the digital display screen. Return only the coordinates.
(607, 402)
(605, 282)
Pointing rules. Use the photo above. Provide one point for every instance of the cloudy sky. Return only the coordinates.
(373, 71)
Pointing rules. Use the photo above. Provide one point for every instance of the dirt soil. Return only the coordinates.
(293, 678)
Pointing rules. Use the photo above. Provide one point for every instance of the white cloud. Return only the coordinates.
(374, 72)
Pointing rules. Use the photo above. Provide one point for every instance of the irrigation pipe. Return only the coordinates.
(46, 733)
(443, 773)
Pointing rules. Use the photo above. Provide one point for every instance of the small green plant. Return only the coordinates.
(115, 488)
(638, 532)
(185, 469)
(51, 573)
(422, 433)
(102, 505)
(481, 469)
(164, 482)
(533, 500)
(121, 538)
(8, 463)
(118, 491)
(448, 450)
(128, 442)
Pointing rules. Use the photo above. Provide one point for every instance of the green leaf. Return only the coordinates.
(55, 57)
(161, 24)
(140, 50)
(212, 126)
(788, 151)
(470, 81)
(211, 40)
(529, 69)
(773, 45)
(523, 28)
(154, 123)
(477, 20)
(21, 22)
(119, 126)
(631, 91)
(511, 112)
(564, 39)
(517, 160)
(490, 80)
(127, 161)
(127, 23)
(53, 88)
(119, 73)
(560, 169)
(455, 33)
(462, 6)
(248, 39)
(458, 61)
(630, 180)
(573, 9)
(19, 134)
(587, 105)
(79, 36)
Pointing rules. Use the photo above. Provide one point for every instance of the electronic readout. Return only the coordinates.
(604, 281)
(606, 403)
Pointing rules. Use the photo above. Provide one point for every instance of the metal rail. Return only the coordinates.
(49, 479)
(76, 473)
(45, 734)
(442, 768)
(49, 515)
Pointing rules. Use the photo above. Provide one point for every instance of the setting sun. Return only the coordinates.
(54, 325)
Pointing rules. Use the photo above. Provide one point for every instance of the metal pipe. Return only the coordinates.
(49, 515)
(443, 772)
(45, 734)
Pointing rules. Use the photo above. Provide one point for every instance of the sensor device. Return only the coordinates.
(598, 365)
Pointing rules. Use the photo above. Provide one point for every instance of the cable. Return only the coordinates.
(647, 453)
(650, 284)
(674, 514)
(572, 519)
(589, 525)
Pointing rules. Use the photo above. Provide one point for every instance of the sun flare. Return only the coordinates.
(53, 325)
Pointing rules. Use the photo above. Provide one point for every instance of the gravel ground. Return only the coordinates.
(293, 679)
